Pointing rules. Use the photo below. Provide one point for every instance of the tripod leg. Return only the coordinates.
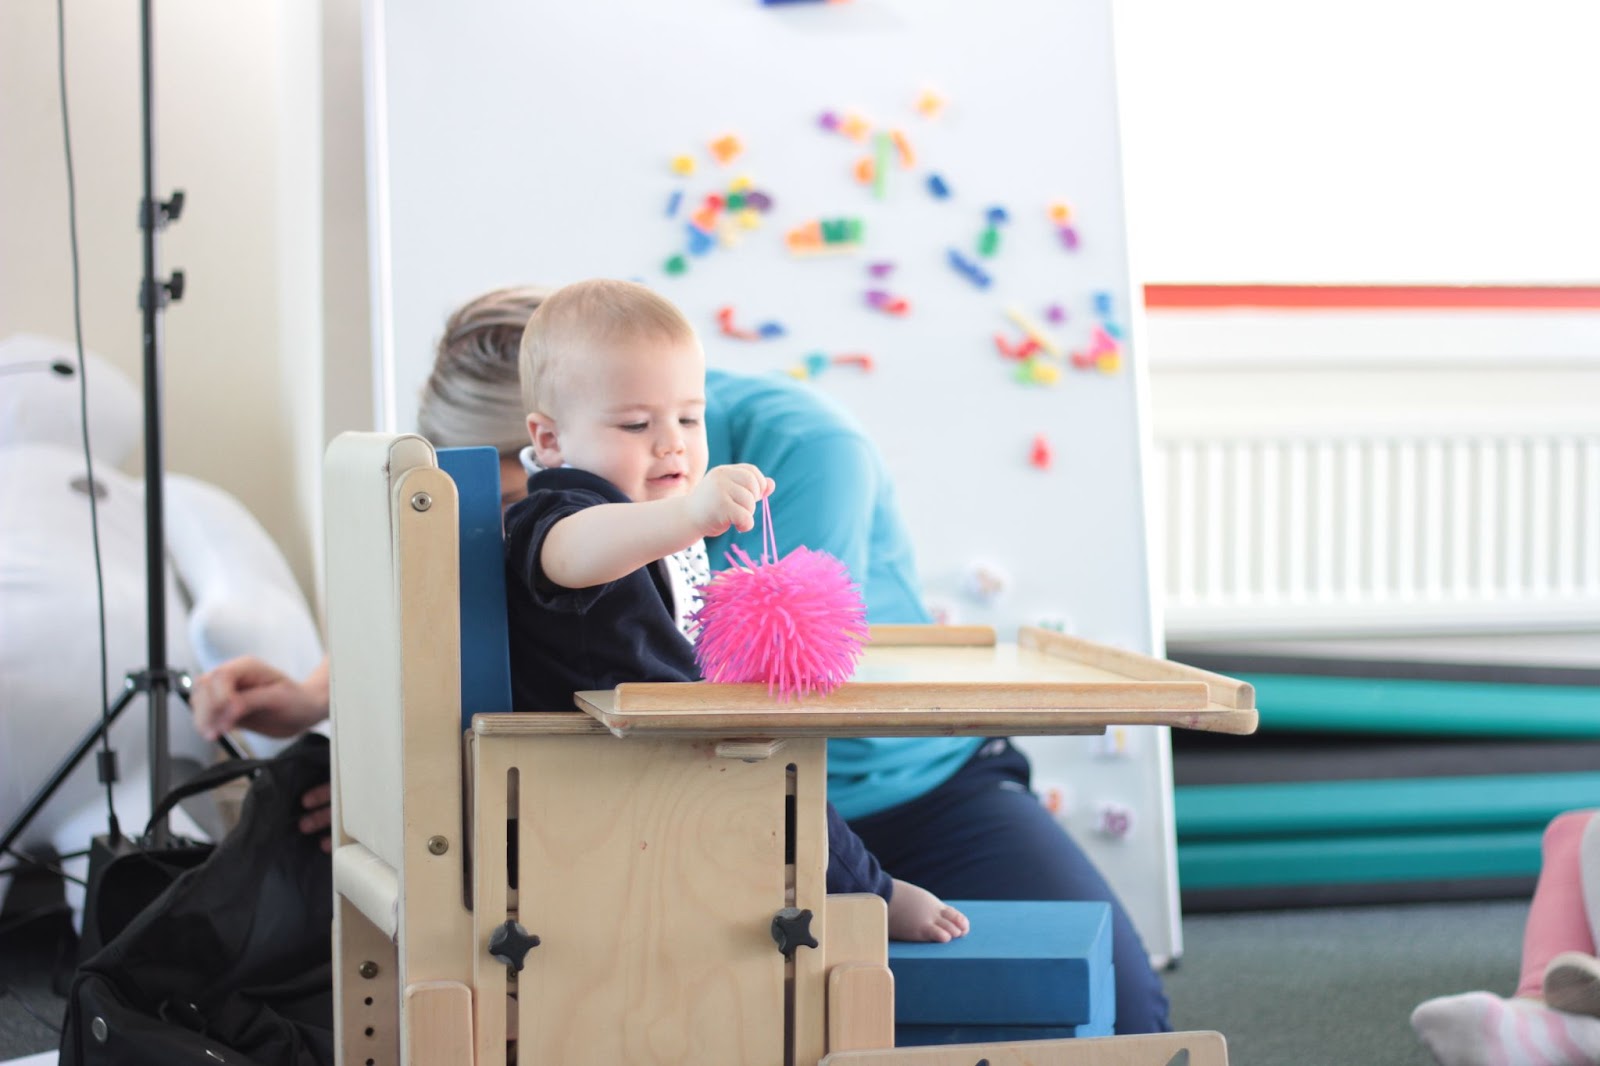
(70, 763)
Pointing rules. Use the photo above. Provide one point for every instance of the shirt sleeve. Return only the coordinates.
(527, 526)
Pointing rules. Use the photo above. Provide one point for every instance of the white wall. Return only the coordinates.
(238, 101)
(1362, 141)
(1202, 402)
(348, 401)
(1262, 143)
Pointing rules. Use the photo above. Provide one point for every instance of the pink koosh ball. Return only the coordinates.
(797, 623)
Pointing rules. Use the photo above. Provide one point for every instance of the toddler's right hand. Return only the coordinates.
(727, 496)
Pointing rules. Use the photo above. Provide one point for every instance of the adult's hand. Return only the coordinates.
(319, 815)
(246, 693)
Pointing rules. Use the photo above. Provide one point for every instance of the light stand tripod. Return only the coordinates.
(154, 215)
(158, 682)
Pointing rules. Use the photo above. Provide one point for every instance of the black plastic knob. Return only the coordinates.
(791, 930)
(510, 943)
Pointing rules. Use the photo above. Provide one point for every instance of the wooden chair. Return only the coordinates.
(637, 884)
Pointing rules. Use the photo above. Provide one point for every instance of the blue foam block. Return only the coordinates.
(485, 658)
(1102, 1023)
(928, 1035)
(1025, 963)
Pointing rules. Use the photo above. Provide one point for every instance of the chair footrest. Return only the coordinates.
(1026, 964)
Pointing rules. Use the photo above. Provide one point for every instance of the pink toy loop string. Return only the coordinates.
(769, 536)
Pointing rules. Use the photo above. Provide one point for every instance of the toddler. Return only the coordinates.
(604, 554)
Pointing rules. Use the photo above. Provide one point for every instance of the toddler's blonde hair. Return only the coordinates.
(575, 320)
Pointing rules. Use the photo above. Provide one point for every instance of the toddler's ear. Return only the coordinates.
(546, 440)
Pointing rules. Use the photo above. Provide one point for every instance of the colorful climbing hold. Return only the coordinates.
(726, 149)
(969, 269)
(908, 157)
(1039, 453)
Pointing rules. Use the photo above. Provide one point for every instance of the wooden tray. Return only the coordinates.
(948, 681)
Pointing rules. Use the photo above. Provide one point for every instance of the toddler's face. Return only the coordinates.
(634, 414)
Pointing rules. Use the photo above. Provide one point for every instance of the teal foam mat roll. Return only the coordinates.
(1399, 857)
(1422, 705)
(1320, 808)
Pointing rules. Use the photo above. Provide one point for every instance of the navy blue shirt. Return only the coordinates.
(572, 640)
(569, 640)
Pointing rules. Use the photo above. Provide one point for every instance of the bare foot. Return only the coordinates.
(917, 914)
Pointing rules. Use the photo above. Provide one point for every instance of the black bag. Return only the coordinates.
(233, 961)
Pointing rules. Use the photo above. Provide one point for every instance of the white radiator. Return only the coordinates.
(1327, 535)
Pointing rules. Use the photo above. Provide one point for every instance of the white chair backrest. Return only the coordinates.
(393, 635)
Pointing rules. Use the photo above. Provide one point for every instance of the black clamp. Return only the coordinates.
(155, 214)
(510, 943)
(791, 930)
(160, 293)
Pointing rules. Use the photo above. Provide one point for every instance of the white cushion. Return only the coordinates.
(245, 598)
(39, 406)
(49, 643)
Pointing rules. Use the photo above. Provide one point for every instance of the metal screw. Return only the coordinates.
(438, 845)
(421, 501)
(369, 970)
(98, 1028)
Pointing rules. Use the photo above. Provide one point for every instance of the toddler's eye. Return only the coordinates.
(634, 427)
(688, 421)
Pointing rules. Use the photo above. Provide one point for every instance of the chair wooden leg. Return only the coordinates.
(438, 1024)
(860, 986)
(367, 1014)
(860, 1007)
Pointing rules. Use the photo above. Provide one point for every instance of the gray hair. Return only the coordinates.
(473, 396)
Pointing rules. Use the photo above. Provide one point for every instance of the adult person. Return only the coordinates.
(955, 815)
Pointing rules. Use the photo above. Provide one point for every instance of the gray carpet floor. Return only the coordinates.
(1320, 987)
(1336, 987)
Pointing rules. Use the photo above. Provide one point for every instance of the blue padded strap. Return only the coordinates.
(485, 661)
